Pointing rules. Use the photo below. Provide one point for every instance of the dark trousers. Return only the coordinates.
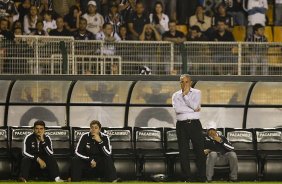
(29, 164)
(104, 168)
(186, 131)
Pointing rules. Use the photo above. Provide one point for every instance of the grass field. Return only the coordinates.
(141, 182)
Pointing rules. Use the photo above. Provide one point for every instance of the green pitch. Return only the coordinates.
(141, 182)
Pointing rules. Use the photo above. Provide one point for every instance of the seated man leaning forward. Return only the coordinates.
(93, 155)
(219, 152)
(38, 154)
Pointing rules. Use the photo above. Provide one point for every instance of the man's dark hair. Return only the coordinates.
(39, 122)
(195, 28)
(257, 27)
(105, 25)
(82, 19)
(96, 122)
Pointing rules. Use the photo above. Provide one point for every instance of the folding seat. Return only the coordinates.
(5, 158)
(149, 149)
(76, 134)
(277, 33)
(122, 151)
(182, 28)
(269, 147)
(268, 33)
(244, 143)
(239, 33)
(17, 135)
(61, 142)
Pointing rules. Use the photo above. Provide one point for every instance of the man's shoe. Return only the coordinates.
(116, 180)
(58, 179)
(21, 179)
(208, 181)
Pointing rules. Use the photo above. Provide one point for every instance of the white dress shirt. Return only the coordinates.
(185, 106)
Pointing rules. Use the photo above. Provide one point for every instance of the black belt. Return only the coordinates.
(189, 120)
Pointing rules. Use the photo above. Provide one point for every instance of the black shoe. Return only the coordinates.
(21, 179)
(208, 181)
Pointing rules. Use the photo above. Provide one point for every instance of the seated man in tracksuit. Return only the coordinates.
(93, 154)
(38, 154)
(219, 151)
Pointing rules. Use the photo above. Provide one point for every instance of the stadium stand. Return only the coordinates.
(244, 143)
(5, 157)
(269, 148)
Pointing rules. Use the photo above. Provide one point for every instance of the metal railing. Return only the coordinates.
(64, 55)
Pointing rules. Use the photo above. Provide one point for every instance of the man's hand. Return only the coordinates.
(197, 110)
(41, 163)
(97, 137)
(40, 138)
(186, 90)
(207, 151)
(217, 138)
(93, 164)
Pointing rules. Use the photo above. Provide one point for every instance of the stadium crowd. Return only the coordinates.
(115, 20)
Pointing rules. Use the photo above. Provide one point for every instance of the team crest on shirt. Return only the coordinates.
(33, 144)
(88, 145)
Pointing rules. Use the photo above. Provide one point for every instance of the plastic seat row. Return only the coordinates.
(146, 152)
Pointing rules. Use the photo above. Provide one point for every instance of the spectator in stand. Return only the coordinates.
(4, 29)
(221, 15)
(39, 29)
(258, 52)
(17, 31)
(256, 13)
(223, 53)
(102, 6)
(62, 7)
(24, 9)
(137, 21)
(107, 34)
(114, 17)
(9, 10)
(278, 12)
(173, 35)
(236, 10)
(150, 33)
(222, 34)
(95, 20)
(200, 19)
(82, 33)
(123, 32)
(159, 18)
(49, 22)
(17, 25)
(61, 30)
(72, 19)
(30, 20)
(126, 8)
(195, 34)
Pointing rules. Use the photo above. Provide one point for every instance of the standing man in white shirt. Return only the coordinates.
(187, 105)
